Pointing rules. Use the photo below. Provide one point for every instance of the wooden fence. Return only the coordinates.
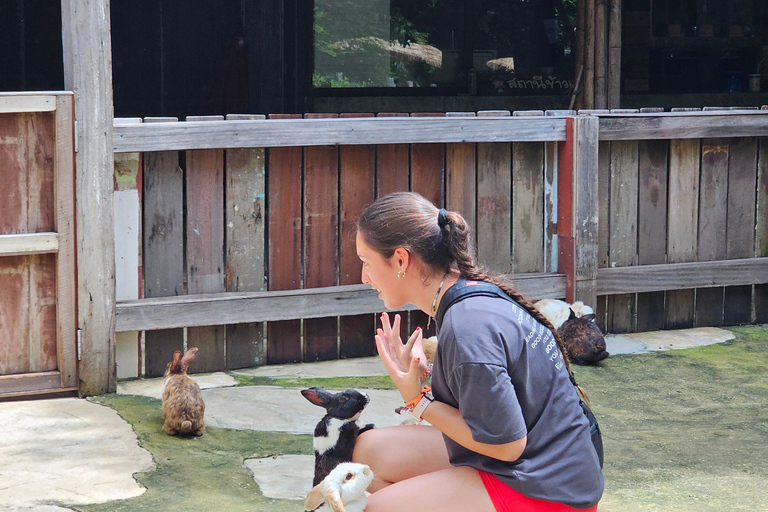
(245, 225)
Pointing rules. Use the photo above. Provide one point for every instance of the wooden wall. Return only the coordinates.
(255, 219)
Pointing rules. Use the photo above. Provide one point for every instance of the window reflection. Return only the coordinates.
(485, 47)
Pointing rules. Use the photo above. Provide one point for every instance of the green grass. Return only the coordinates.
(684, 430)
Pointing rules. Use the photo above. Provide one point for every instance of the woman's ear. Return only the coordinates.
(401, 258)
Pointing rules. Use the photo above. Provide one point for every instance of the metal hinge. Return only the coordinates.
(76, 135)
(79, 344)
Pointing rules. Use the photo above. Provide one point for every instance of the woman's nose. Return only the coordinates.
(364, 276)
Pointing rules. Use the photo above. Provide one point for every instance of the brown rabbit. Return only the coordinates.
(583, 339)
(183, 406)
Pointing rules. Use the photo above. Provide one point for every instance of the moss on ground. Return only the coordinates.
(198, 473)
(374, 382)
(684, 430)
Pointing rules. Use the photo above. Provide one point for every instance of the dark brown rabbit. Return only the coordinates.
(583, 339)
(183, 406)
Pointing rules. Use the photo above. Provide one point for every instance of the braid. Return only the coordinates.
(462, 254)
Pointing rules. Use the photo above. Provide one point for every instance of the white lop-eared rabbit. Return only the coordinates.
(343, 490)
(558, 311)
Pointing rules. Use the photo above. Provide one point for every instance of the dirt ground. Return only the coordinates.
(684, 430)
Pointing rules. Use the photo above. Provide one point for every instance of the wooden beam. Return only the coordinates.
(27, 382)
(236, 307)
(683, 125)
(28, 243)
(87, 50)
(585, 208)
(679, 276)
(320, 132)
(26, 102)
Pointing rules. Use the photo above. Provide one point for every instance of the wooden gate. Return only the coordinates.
(38, 352)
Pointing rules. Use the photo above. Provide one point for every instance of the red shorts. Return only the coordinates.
(506, 499)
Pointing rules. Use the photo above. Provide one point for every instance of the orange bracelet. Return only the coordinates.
(413, 403)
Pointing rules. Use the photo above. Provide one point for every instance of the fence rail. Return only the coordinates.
(644, 214)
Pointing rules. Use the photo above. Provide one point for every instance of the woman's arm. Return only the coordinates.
(445, 418)
(449, 421)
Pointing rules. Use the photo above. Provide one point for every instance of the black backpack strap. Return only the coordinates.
(464, 289)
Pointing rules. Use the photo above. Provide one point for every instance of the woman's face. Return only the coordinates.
(381, 274)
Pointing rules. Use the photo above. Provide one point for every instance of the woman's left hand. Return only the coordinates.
(403, 364)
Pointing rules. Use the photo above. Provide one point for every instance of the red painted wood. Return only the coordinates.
(321, 239)
(285, 224)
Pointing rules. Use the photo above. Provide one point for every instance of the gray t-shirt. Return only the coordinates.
(503, 371)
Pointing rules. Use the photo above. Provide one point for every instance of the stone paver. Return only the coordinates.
(287, 477)
(359, 367)
(67, 451)
(153, 387)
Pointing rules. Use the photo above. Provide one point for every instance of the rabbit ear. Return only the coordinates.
(333, 500)
(188, 358)
(590, 316)
(317, 396)
(572, 314)
(315, 497)
(175, 366)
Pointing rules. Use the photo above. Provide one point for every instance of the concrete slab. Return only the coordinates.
(153, 387)
(358, 367)
(274, 409)
(287, 477)
(652, 341)
(67, 451)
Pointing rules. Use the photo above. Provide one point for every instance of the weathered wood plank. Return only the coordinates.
(550, 206)
(527, 207)
(284, 219)
(460, 182)
(357, 179)
(494, 206)
(652, 226)
(205, 243)
(17, 102)
(28, 243)
(622, 246)
(64, 224)
(683, 125)
(585, 208)
(713, 209)
(163, 236)
(11, 384)
(281, 132)
(682, 225)
(278, 306)
(14, 312)
(740, 225)
(761, 228)
(682, 276)
(244, 219)
(321, 241)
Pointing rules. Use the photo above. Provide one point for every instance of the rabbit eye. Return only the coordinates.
(349, 475)
(344, 398)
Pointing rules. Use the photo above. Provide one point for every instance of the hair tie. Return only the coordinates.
(442, 218)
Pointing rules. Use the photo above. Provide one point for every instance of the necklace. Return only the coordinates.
(434, 301)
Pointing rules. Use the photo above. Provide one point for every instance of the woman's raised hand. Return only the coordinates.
(406, 363)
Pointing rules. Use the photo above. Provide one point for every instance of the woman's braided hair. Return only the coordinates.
(408, 220)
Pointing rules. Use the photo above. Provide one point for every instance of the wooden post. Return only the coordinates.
(613, 88)
(87, 50)
(578, 209)
(601, 54)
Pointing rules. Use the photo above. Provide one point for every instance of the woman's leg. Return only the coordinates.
(458, 489)
(412, 472)
(398, 453)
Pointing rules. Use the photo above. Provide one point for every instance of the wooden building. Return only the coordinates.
(222, 151)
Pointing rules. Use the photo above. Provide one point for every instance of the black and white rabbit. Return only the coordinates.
(335, 434)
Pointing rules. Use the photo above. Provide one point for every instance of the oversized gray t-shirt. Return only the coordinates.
(503, 371)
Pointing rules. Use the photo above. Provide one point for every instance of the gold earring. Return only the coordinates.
(401, 273)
